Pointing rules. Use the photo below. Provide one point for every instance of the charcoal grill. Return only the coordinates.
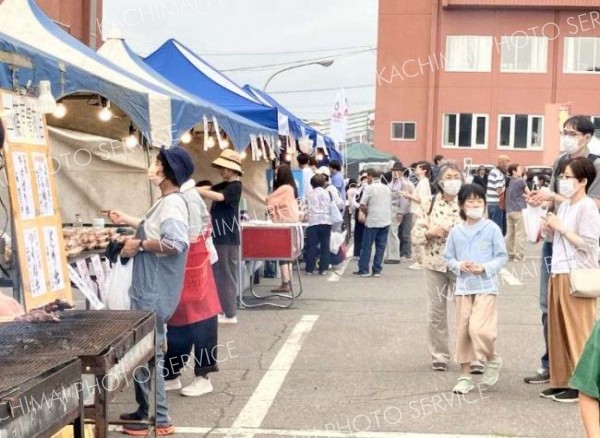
(40, 397)
(109, 343)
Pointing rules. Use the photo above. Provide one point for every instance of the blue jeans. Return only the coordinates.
(379, 237)
(544, 277)
(498, 216)
(317, 243)
(142, 379)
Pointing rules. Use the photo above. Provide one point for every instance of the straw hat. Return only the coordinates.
(229, 160)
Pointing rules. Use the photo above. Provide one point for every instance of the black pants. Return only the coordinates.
(404, 231)
(317, 243)
(358, 235)
(203, 336)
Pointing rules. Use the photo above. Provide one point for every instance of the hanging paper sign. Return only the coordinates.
(84, 272)
(99, 273)
(85, 289)
(220, 140)
(205, 127)
(254, 147)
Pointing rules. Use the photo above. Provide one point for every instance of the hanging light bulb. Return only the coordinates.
(131, 141)
(279, 143)
(243, 155)
(225, 143)
(319, 157)
(288, 157)
(105, 114)
(60, 111)
(211, 142)
(46, 101)
(186, 138)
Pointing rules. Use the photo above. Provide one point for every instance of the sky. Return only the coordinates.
(249, 40)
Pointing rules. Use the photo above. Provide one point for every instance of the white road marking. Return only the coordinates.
(509, 278)
(242, 432)
(338, 273)
(260, 402)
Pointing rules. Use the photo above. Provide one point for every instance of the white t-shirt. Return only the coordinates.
(584, 220)
(423, 191)
(307, 174)
(168, 221)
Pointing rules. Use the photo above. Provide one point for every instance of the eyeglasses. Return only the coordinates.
(571, 133)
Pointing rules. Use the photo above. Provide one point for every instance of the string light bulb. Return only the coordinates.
(186, 138)
(131, 141)
(60, 111)
(319, 157)
(243, 155)
(105, 114)
(211, 142)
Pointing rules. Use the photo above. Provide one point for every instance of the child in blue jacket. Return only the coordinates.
(476, 252)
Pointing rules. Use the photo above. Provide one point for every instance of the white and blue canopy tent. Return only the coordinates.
(183, 67)
(237, 128)
(298, 128)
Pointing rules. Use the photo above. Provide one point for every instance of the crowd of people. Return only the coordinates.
(460, 235)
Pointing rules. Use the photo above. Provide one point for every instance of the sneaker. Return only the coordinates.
(224, 320)
(416, 267)
(361, 274)
(144, 430)
(463, 386)
(173, 384)
(552, 392)
(541, 376)
(492, 372)
(376, 274)
(392, 262)
(568, 396)
(439, 366)
(200, 386)
(133, 416)
(477, 368)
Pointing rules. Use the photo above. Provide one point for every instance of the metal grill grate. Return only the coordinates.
(14, 372)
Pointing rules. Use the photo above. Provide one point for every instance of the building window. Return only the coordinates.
(465, 130)
(520, 131)
(524, 54)
(582, 55)
(596, 121)
(404, 131)
(468, 53)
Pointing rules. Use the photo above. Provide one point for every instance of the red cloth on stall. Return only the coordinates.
(199, 299)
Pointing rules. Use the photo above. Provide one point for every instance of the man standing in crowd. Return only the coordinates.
(576, 135)
(393, 242)
(407, 218)
(337, 178)
(376, 202)
(438, 160)
(307, 174)
(495, 192)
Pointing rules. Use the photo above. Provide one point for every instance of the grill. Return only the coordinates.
(39, 396)
(109, 344)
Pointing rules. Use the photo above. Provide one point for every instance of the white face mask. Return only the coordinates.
(474, 213)
(569, 144)
(566, 187)
(452, 186)
(153, 177)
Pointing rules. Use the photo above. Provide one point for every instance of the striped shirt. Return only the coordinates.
(495, 181)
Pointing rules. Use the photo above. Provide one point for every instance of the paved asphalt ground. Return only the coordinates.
(351, 356)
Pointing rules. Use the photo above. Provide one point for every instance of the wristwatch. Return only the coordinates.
(141, 246)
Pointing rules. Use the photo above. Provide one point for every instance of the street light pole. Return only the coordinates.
(324, 63)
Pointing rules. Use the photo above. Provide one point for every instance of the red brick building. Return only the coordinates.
(477, 78)
(80, 18)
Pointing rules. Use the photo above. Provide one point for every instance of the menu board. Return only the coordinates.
(34, 202)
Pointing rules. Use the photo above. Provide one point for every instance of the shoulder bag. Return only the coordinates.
(585, 282)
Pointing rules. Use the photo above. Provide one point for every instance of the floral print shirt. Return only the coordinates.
(443, 213)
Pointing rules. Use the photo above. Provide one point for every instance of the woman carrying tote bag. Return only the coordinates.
(576, 230)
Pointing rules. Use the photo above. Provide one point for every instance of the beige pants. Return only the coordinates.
(570, 323)
(515, 235)
(440, 287)
(476, 327)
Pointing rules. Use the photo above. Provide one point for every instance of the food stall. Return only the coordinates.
(106, 346)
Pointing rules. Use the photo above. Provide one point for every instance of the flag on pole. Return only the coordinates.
(339, 118)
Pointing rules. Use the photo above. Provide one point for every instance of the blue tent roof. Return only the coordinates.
(186, 69)
(297, 127)
(47, 67)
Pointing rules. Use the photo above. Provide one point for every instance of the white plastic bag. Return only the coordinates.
(532, 218)
(336, 241)
(117, 286)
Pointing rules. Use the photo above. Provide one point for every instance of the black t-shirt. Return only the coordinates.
(225, 214)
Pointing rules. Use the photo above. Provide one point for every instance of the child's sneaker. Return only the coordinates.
(492, 372)
(463, 386)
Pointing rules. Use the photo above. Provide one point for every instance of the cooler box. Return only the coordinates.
(270, 241)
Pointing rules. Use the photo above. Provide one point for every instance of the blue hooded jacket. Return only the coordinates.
(481, 243)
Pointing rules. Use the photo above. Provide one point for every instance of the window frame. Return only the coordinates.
(521, 71)
(473, 146)
(596, 56)
(511, 145)
(465, 70)
(403, 122)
